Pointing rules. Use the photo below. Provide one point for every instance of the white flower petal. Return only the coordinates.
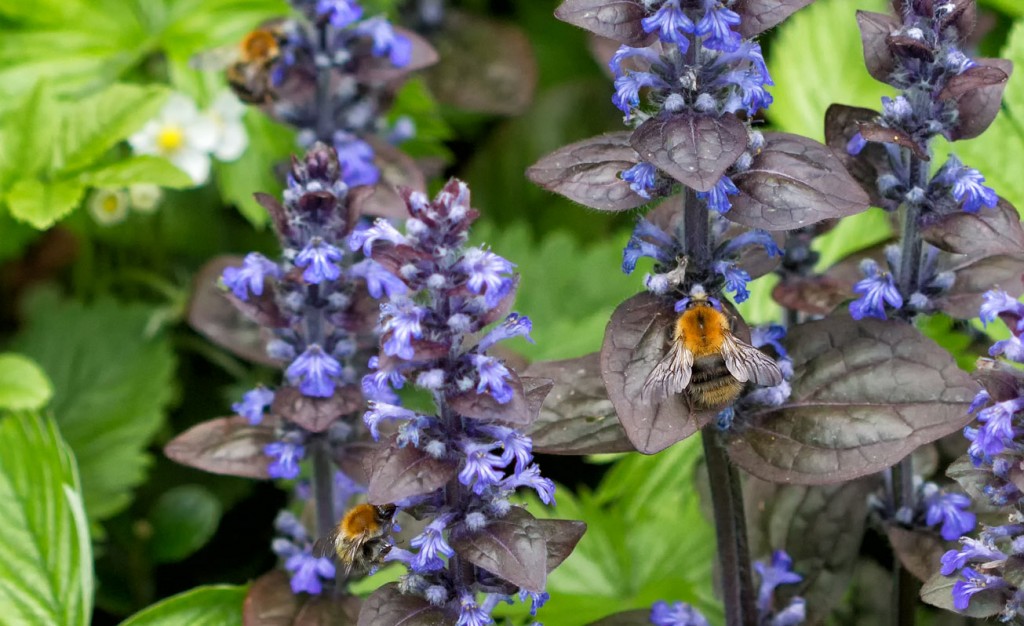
(145, 198)
(202, 133)
(233, 142)
(227, 107)
(195, 163)
(108, 206)
(179, 109)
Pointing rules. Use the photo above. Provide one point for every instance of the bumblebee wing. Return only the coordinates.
(670, 376)
(215, 59)
(745, 362)
(326, 546)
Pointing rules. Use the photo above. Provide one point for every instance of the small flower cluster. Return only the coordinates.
(934, 507)
(701, 64)
(650, 240)
(111, 206)
(770, 335)
(777, 571)
(188, 137)
(879, 288)
(435, 334)
(986, 565)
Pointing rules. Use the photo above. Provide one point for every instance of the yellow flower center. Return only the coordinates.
(170, 139)
(110, 204)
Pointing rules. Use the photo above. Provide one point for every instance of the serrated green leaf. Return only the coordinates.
(215, 605)
(816, 59)
(94, 124)
(183, 519)
(23, 385)
(113, 383)
(45, 553)
(43, 204)
(135, 170)
(269, 144)
(29, 132)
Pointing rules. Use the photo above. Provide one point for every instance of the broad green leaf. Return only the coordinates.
(817, 59)
(29, 132)
(1010, 7)
(853, 233)
(269, 144)
(45, 553)
(113, 382)
(183, 519)
(94, 124)
(43, 204)
(215, 605)
(1006, 135)
(23, 385)
(14, 235)
(760, 307)
(195, 25)
(135, 170)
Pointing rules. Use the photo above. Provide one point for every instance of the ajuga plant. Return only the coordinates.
(455, 466)
(329, 72)
(830, 400)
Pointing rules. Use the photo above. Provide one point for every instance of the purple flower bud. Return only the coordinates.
(319, 259)
(998, 303)
(314, 372)
(253, 403)
(340, 13)
(249, 278)
(856, 144)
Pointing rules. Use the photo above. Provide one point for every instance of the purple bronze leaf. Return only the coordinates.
(978, 93)
(759, 15)
(938, 591)
(973, 480)
(512, 548)
(637, 336)
(488, 66)
(276, 211)
(820, 527)
(577, 417)
(638, 617)
(226, 445)
(270, 601)
(987, 232)
(794, 182)
(614, 19)
(560, 537)
(381, 70)
(918, 550)
(814, 295)
(841, 124)
(694, 149)
(906, 46)
(976, 275)
(1001, 380)
(875, 29)
(211, 314)
(483, 406)
(356, 458)
(316, 414)
(588, 172)
(865, 394)
(399, 473)
(387, 606)
(329, 610)
(881, 134)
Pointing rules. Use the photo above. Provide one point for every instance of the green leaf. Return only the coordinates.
(23, 385)
(414, 101)
(1010, 7)
(14, 236)
(113, 382)
(183, 519)
(43, 204)
(194, 25)
(45, 553)
(135, 170)
(853, 233)
(29, 133)
(94, 124)
(815, 60)
(269, 144)
(215, 605)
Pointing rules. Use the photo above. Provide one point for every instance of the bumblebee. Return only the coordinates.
(705, 360)
(248, 65)
(361, 539)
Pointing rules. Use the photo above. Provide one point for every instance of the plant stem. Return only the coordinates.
(910, 239)
(324, 111)
(731, 531)
(696, 235)
(323, 487)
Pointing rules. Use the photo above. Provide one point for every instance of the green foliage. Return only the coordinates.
(23, 385)
(646, 541)
(949, 334)
(183, 519)
(988, 152)
(113, 382)
(816, 60)
(1010, 7)
(45, 553)
(415, 102)
(215, 605)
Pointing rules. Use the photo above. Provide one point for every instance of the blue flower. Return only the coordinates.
(319, 260)
(718, 197)
(380, 411)
(249, 278)
(401, 324)
(769, 335)
(998, 302)
(628, 52)
(537, 600)
(973, 582)
(967, 186)
(486, 273)
(379, 383)
(341, 13)
(856, 144)
(516, 447)
(379, 281)
(431, 546)
(795, 613)
(386, 41)
(952, 511)
(382, 230)
(515, 325)
(531, 479)
(671, 24)
(287, 455)
(875, 289)
(971, 550)
(1010, 348)
(471, 613)
(356, 159)
(678, 614)
(627, 90)
(997, 426)
(717, 25)
(736, 279)
(754, 237)
(779, 571)
(640, 245)
(314, 372)
(641, 178)
(253, 403)
(482, 466)
(308, 572)
(493, 377)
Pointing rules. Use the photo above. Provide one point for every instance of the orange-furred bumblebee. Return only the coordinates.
(705, 360)
(361, 539)
(248, 65)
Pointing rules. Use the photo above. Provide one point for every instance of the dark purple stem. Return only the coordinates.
(324, 111)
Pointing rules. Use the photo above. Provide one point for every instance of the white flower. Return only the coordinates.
(108, 206)
(145, 197)
(226, 113)
(181, 135)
